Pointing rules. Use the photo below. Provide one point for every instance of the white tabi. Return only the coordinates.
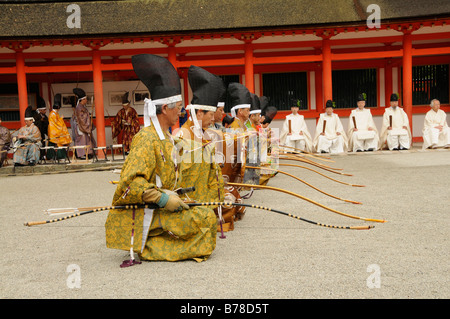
(299, 137)
(398, 136)
(433, 136)
(366, 135)
(331, 142)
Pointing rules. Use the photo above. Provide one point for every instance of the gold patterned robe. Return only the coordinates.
(171, 236)
(57, 130)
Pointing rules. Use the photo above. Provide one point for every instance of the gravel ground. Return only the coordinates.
(267, 256)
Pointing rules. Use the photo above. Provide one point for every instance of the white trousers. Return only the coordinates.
(332, 146)
(397, 141)
(300, 144)
(363, 145)
(435, 138)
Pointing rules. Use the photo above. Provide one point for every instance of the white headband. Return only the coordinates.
(255, 112)
(150, 112)
(239, 106)
(192, 108)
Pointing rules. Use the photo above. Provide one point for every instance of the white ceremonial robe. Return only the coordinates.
(398, 137)
(431, 135)
(330, 142)
(301, 141)
(362, 139)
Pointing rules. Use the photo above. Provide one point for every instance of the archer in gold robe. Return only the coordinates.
(160, 234)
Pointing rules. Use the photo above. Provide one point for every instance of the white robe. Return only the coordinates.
(301, 141)
(362, 139)
(431, 135)
(330, 142)
(398, 136)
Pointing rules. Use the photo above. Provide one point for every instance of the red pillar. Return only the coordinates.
(319, 90)
(98, 96)
(407, 75)
(249, 74)
(387, 83)
(21, 86)
(326, 70)
(172, 55)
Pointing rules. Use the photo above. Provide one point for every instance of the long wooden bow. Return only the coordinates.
(306, 199)
(306, 183)
(104, 208)
(315, 171)
(300, 151)
(312, 163)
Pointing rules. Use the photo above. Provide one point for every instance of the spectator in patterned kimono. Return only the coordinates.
(125, 122)
(150, 174)
(84, 128)
(58, 133)
(27, 142)
(5, 141)
(41, 121)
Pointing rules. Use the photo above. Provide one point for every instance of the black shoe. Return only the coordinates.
(395, 149)
(359, 150)
(370, 150)
(18, 164)
(31, 163)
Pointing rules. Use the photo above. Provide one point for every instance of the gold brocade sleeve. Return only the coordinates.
(137, 172)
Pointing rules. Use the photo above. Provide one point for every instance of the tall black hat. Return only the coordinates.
(29, 113)
(269, 113)
(159, 76)
(227, 120)
(329, 104)
(79, 93)
(394, 97)
(240, 97)
(255, 106)
(263, 102)
(296, 103)
(207, 88)
(41, 103)
(362, 97)
(222, 99)
(161, 80)
(57, 101)
(125, 99)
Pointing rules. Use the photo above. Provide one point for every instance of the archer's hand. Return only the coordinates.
(175, 204)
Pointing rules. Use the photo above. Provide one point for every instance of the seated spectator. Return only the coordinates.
(27, 142)
(5, 142)
(436, 132)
